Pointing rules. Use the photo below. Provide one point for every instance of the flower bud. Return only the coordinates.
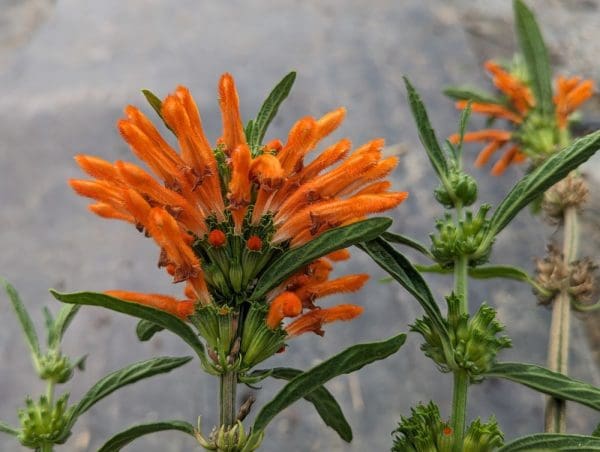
(229, 439)
(43, 423)
(54, 367)
(481, 437)
(424, 430)
(259, 342)
(463, 190)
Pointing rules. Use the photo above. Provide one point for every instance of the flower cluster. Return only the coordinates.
(534, 135)
(221, 214)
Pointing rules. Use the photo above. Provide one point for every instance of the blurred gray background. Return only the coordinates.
(68, 67)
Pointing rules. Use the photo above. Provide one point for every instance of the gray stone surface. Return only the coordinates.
(68, 68)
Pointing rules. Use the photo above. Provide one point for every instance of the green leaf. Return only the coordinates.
(403, 271)
(462, 127)
(348, 361)
(156, 104)
(329, 241)
(472, 94)
(24, 319)
(535, 54)
(5, 428)
(552, 383)
(63, 320)
(407, 241)
(539, 180)
(126, 376)
(146, 329)
(505, 272)
(49, 323)
(269, 109)
(120, 440)
(166, 321)
(552, 442)
(426, 132)
(324, 402)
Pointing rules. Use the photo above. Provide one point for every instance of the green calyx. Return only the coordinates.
(233, 439)
(473, 340)
(463, 239)
(540, 137)
(424, 431)
(54, 367)
(44, 423)
(461, 189)
(259, 342)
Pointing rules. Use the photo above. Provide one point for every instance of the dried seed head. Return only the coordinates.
(552, 274)
(572, 191)
(582, 282)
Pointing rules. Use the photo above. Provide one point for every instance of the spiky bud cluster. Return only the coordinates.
(464, 239)
(43, 423)
(229, 439)
(572, 191)
(55, 367)
(462, 189)
(424, 430)
(582, 281)
(473, 342)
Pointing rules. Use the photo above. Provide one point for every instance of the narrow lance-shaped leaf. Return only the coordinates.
(426, 132)
(348, 361)
(24, 319)
(539, 180)
(167, 321)
(555, 442)
(126, 376)
(403, 271)
(122, 439)
(472, 94)
(5, 428)
(552, 383)
(63, 320)
(535, 54)
(156, 105)
(407, 241)
(269, 109)
(49, 323)
(332, 240)
(146, 329)
(323, 401)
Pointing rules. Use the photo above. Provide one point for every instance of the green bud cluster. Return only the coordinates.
(464, 239)
(539, 137)
(424, 430)
(43, 423)
(462, 188)
(54, 367)
(483, 437)
(232, 439)
(259, 342)
(473, 342)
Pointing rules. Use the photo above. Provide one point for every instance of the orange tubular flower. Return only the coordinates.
(533, 136)
(221, 214)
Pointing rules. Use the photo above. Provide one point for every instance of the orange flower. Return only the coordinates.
(533, 137)
(221, 214)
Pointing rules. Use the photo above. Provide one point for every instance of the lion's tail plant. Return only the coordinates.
(47, 421)
(540, 121)
(461, 343)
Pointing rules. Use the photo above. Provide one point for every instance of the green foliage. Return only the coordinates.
(553, 442)
(474, 341)
(255, 133)
(156, 105)
(122, 439)
(350, 360)
(400, 268)
(548, 382)
(535, 55)
(24, 320)
(146, 329)
(323, 401)
(462, 239)
(332, 240)
(473, 94)
(538, 181)
(407, 241)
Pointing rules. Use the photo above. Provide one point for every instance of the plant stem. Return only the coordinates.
(558, 347)
(47, 447)
(461, 378)
(227, 397)
(50, 392)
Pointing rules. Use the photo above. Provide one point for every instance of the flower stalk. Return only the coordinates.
(558, 346)
(227, 398)
(461, 378)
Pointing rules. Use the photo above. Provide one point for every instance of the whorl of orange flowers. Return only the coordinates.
(210, 208)
(570, 93)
